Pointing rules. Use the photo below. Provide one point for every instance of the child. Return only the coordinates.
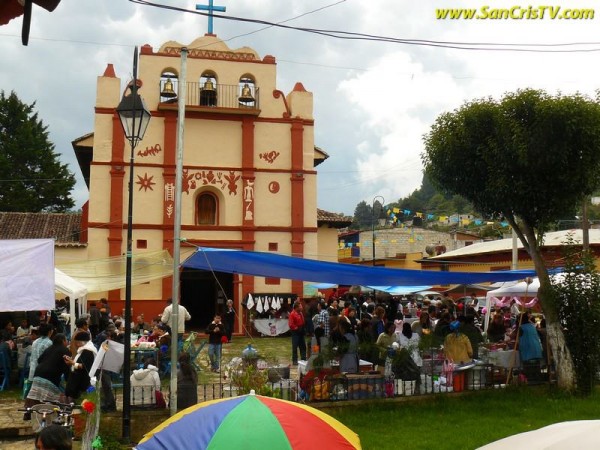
(215, 331)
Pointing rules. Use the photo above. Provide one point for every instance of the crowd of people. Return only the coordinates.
(348, 329)
(351, 329)
(59, 363)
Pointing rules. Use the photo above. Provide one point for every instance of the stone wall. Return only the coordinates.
(389, 242)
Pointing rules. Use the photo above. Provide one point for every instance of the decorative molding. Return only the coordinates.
(191, 180)
(269, 157)
(249, 200)
(232, 180)
(104, 110)
(150, 151)
(212, 54)
(273, 187)
(276, 94)
(154, 226)
(145, 182)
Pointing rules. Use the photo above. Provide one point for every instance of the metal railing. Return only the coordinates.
(219, 96)
(361, 386)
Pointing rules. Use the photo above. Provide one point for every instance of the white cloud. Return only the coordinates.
(398, 97)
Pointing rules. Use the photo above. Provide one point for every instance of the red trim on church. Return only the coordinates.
(117, 174)
(297, 200)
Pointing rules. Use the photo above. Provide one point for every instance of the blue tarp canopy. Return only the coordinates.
(279, 266)
(400, 290)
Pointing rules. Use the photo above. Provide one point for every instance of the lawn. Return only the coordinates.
(463, 422)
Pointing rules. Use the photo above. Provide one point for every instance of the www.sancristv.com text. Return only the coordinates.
(530, 12)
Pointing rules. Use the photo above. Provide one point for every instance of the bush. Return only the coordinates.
(579, 311)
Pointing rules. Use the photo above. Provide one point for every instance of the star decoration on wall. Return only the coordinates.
(145, 182)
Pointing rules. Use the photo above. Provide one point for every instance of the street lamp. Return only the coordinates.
(134, 118)
(373, 222)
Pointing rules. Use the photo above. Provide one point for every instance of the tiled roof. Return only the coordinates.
(63, 227)
(333, 219)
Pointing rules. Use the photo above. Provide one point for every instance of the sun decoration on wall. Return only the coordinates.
(145, 182)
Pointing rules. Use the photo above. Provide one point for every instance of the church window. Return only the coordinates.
(206, 209)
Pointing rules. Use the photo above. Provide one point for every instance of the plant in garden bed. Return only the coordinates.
(250, 372)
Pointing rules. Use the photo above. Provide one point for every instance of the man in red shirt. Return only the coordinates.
(296, 323)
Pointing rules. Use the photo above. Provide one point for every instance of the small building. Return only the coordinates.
(398, 247)
(498, 255)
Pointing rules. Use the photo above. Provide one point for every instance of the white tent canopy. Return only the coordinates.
(26, 274)
(66, 285)
(101, 275)
(521, 289)
(510, 289)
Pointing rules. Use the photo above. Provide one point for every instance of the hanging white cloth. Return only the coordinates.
(250, 302)
(259, 305)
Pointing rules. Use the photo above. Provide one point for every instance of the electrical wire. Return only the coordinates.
(284, 21)
(347, 35)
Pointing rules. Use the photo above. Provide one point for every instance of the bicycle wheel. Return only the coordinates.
(44, 414)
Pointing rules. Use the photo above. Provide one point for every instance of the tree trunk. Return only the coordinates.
(563, 362)
(565, 371)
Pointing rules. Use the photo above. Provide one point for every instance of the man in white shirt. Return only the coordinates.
(183, 316)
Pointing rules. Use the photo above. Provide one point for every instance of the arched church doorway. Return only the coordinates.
(202, 295)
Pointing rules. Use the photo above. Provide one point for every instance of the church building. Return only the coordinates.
(249, 174)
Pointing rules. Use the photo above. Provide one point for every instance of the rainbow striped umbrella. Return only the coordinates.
(250, 422)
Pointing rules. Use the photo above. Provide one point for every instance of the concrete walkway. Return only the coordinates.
(15, 433)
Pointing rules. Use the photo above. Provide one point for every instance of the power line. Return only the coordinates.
(284, 21)
(347, 35)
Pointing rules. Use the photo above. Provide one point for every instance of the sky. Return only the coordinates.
(373, 100)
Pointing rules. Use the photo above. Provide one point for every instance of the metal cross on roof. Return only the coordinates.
(210, 8)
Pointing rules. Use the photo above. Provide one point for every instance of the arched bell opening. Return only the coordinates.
(208, 89)
(247, 90)
(169, 86)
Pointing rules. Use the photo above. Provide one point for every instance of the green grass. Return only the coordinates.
(278, 347)
(276, 350)
(463, 422)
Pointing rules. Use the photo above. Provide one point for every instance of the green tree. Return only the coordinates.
(429, 199)
(461, 205)
(31, 177)
(528, 158)
(363, 216)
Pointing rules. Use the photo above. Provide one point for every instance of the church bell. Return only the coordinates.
(208, 85)
(168, 91)
(246, 96)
